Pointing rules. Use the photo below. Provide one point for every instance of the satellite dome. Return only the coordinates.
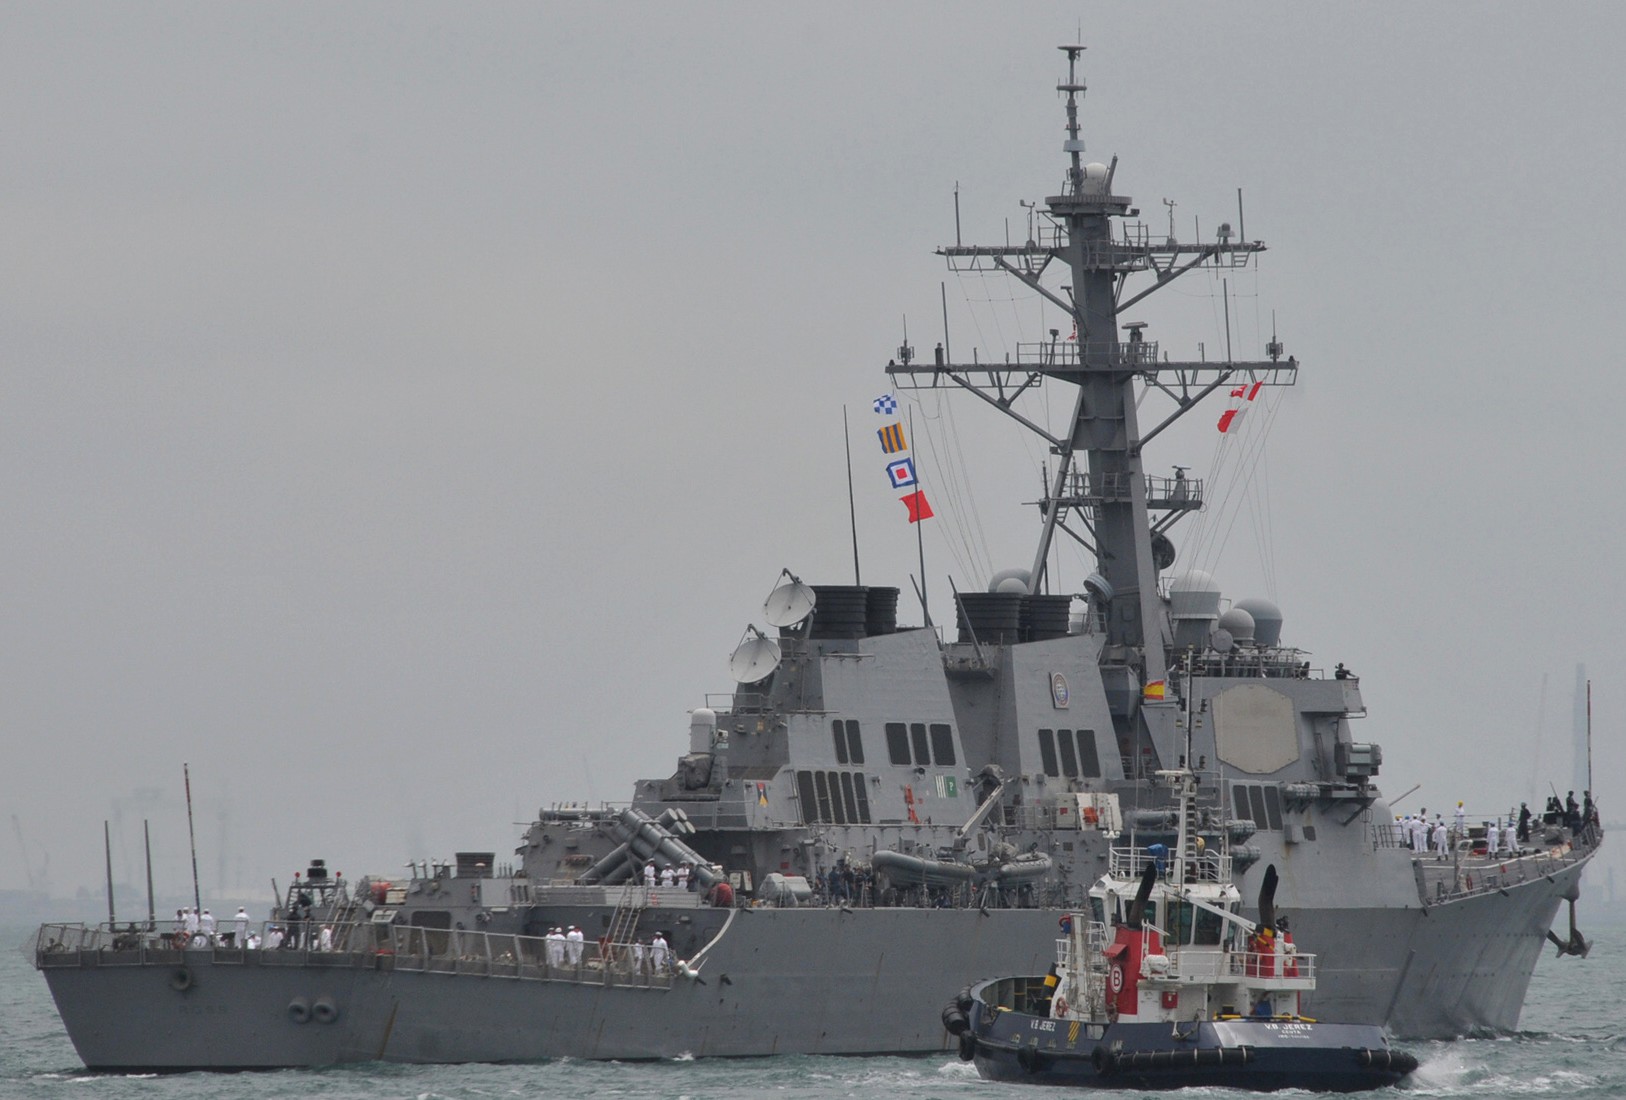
(1267, 620)
(1095, 178)
(997, 582)
(1239, 623)
(1194, 596)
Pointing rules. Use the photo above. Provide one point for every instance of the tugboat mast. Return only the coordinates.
(1107, 493)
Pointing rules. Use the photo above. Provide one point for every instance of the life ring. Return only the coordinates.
(180, 979)
(299, 1010)
(324, 1011)
(1058, 1007)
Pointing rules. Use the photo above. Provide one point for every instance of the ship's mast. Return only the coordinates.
(1107, 493)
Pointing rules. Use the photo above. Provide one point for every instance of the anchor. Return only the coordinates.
(1577, 945)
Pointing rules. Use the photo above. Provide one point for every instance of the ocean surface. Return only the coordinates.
(1572, 1044)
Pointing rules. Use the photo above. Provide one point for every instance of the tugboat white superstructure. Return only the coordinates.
(877, 805)
(1164, 984)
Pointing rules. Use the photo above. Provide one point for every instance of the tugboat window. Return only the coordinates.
(943, 745)
(839, 729)
(897, 742)
(1047, 752)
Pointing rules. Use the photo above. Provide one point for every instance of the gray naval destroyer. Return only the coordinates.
(879, 814)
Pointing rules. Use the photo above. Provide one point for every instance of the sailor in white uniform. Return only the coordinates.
(191, 920)
(241, 939)
(575, 943)
(556, 948)
(206, 925)
(683, 876)
(659, 954)
(1442, 842)
(649, 874)
(1492, 839)
(638, 956)
(668, 876)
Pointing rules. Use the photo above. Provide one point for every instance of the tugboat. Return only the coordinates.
(1164, 984)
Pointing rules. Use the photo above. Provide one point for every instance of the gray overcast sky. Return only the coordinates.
(405, 407)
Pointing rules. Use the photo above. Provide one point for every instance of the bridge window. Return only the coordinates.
(917, 734)
(897, 742)
(943, 745)
(1088, 761)
(822, 782)
(838, 729)
(855, 743)
(1069, 759)
(1047, 752)
(861, 792)
(847, 797)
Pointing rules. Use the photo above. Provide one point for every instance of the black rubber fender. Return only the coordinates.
(181, 979)
(1030, 1059)
(954, 1020)
(299, 1010)
(324, 1011)
(964, 1000)
(968, 1046)
(1103, 1060)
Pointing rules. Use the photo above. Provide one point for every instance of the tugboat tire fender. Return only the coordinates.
(1103, 1060)
(968, 1046)
(1030, 1059)
(180, 979)
(964, 1000)
(299, 1010)
(954, 1020)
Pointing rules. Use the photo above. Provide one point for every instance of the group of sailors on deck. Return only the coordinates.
(1503, 836)
(566, 949)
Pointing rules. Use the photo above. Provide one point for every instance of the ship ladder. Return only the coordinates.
(623, 924)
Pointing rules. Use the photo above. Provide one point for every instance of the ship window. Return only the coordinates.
(1258, 800)
(1210, 926)
(1069, 759)
(1097, 911)
(837, 809)
(823, 784)
(847, 797)
(897, 742)
(1047, 751)
(862, 796)
(1179, 925)
(943, 745)
(855, 743)
(917, 734)
(839, 729)
(1088, 762)
(1273, 806)
(804, 791)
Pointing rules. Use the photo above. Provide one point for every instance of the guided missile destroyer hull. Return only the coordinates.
(803, 981)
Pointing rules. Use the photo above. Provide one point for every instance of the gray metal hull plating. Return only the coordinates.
(779, 981)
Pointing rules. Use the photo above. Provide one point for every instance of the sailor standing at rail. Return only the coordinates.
(206, 925)
(668, 877)
(649, 874)
(189, 919)
(659, 954)
(683, 875)
(1442, 840)
(575, 943)
(555, 948)
(1492, 839)
(1462, 821)
(241, 939)
(637, 956)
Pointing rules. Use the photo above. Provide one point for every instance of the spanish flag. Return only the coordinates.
(1153, 690)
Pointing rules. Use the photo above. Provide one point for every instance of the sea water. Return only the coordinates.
(1571, 1045)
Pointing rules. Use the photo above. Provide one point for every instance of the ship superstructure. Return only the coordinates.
(879, 813)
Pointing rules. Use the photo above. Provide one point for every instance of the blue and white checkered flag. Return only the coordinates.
(885, 404)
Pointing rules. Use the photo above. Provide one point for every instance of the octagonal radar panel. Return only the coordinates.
(754, 658)
(790, 603)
